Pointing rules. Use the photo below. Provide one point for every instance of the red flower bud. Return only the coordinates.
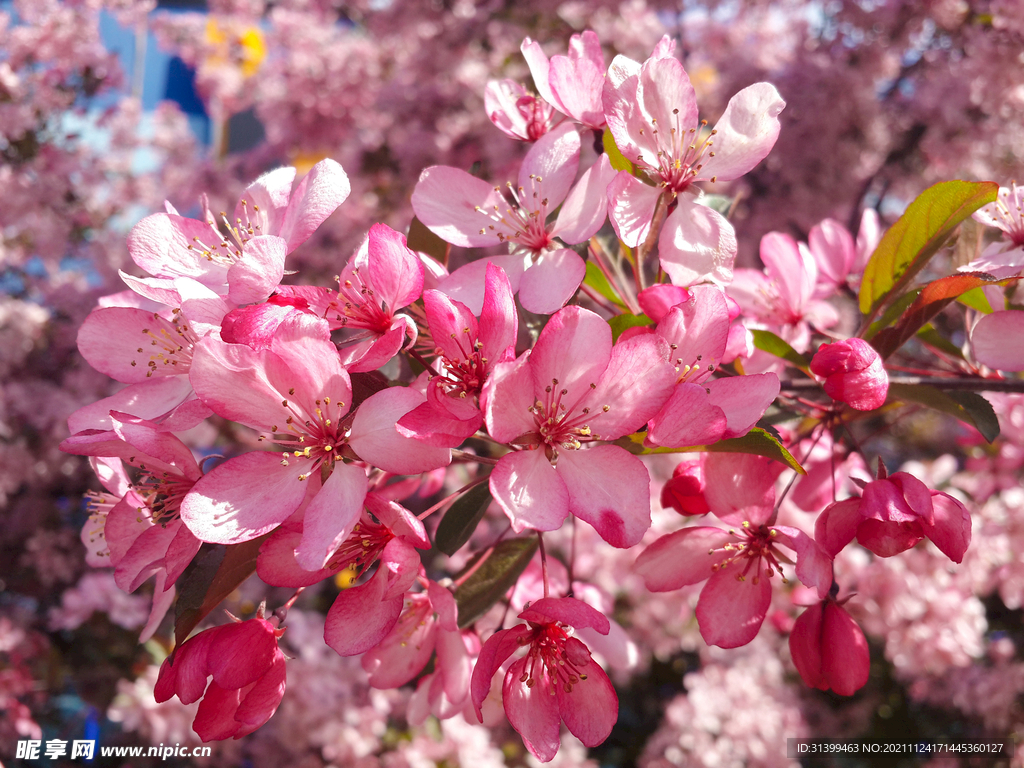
(829, 649)
(685, 491)
(853, 373)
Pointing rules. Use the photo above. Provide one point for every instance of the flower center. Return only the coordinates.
(524, 222)
(752, 546)
(538, 115)
(680, 155)
(230, 248)
(358, 307)
(362, 548)
(1008, 208)
(173, 341)
(465, 374)
(162, 494)
(318, 439)
(561, 426)
(554, 652)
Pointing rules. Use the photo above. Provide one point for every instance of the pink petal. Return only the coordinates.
(806, 647)
(746, 132)
(444, 606)
(150, 399)
(577, 80)
(697, 244)
(498, 647)
(403, 653)
(215, 718)
(846, 661)
(439, 426)
(539, 66)
(143, 557)
(110, 338)
(244, 497)
(567, 610)
(330, 516)
(621, 110)
(313, 368)
(609, 488)
(668, 97)
(681, 558)
(743, 400)
(320, 192)
(154, 290)
(573, 349)
(832, 246)
(360, 617)
(507, 398)
(532, 710)
(375, 437)
(698, 327)
(739, 487)
(791, 267)
(631, 205)
(813, 565)
(551, 281)
(951, 531)
(837, 525)
(258, 272)
(634, 387)
(730, 612)
(998, 340)
(467, 283)
(887, 539)
(123, 527)
(550, 166)
(687, 419)
(591, 709)
(370, 355)
(261, 702)
(402, 564)
(203, 308)
(160, 245)
(395, 271)
(255, 325)
(185, 672)
(446, 200)
(264, 201)
(530, 492)
(658, 299)
(183, 548)
(501, 101)
(499, 321)
(242, 653)
(150, 440)
(453, 327)
(163, 599)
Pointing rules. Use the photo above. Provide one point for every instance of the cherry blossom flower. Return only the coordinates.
(893, 515)
(737, 564)
(467, 211)
(248, 670)
(517, 112)
(574, 388)
(467, 353)
(556, 681)
(702, 410)
(245, 264)
(651, 110)
(835, 254)
(853, 373)
(829, 649)
(299, 393)
(573, 84)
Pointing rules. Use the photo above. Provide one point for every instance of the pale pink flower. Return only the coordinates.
(517, 112)
(893, 515)
(574, 388)
(248, 671)
(738, 564)
(1005, 214)
(467, 211)
(245, 264)
(299, 393)
(829, 649)
(997, 340)
(702, 410)
(651, 110)
(853, 373)
(835, 255)
(467, 352)
(573, 84)
(556, 681)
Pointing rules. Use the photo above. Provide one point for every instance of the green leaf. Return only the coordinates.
(620, 323)
(976, 299)
(969, 407)
(462, 518)
(209, 579)
(909, 243)
(718, 203)
(932, 299)
(758, 441)
(615, 157)
(495, 576)
(768, 342)
(595, 279)
(422, 239)
(891, 313)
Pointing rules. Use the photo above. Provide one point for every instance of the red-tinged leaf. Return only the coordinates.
(423, 240)
(969, 407)
(923, 228)
(366, 384)
(210, 578)
(492, 577)
(932, 299)
(462, 518)
(758, 441)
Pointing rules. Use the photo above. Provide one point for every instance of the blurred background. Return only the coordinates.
(109, 107)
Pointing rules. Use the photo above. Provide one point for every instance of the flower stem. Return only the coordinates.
(962, 383)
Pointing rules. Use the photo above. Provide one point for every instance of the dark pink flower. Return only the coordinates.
(853, 373)
(738, 564)
(893, 515)
(556, 681)
(829, 649)
(684, 491)
(248, 671)
(570, 391)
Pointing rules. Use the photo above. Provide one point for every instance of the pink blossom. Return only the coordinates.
(835, 255)
(684, 492)
(556, 681)
(248, 672)
(270, 221)
(467, 211)
(853, 373)
(702, 410)
(829, 649)
(1006, 213)
(467, 353)
(997, 340)
(893, 515)
(737, 564)
(573, 84)
(574, 388)
(516, 112)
